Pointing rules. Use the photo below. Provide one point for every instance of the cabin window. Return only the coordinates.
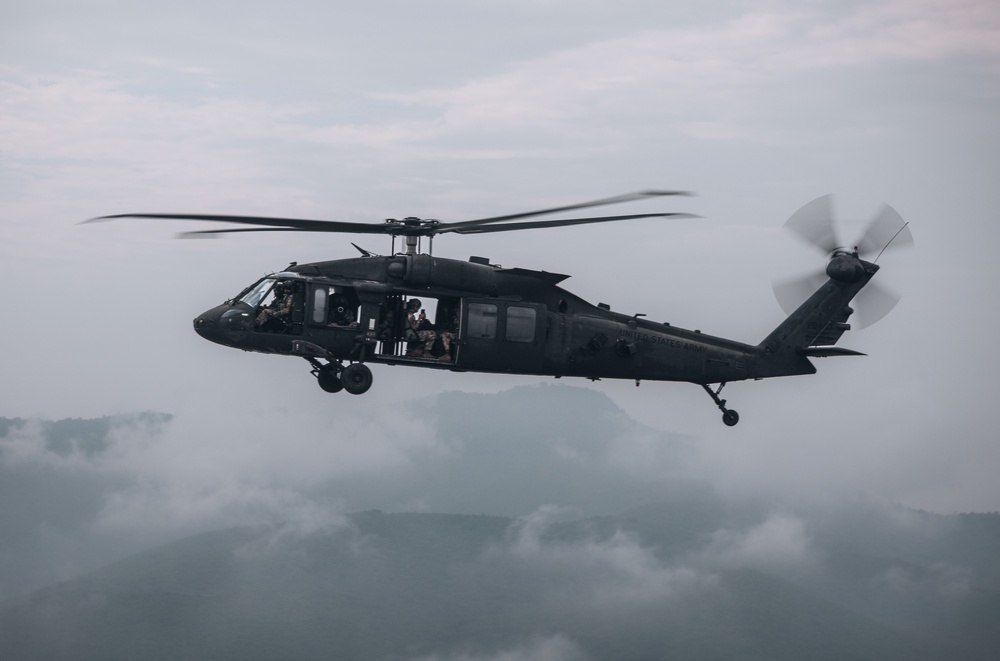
(320, 295)
(482, 321)
(520, 324)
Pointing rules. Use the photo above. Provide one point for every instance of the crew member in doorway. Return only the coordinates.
(418, 330)
(447, 334)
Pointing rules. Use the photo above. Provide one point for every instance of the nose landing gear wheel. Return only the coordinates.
(356, 378)
(329, 378)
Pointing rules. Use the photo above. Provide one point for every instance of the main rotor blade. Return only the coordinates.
(814, 224)
(539, 224)
(286, 224)
(208, 234)
(872, 303)
(793, 292)
(618, 199)
(886, 230)
(408, 226)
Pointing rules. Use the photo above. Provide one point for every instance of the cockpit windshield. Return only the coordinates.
(257, 292)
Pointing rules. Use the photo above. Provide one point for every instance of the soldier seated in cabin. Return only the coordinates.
(386, 325)
(448, 328)
(342, 312)
(419, 332)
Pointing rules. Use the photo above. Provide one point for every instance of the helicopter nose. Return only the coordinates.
(202, 324)
(207, 325)
(226, 324)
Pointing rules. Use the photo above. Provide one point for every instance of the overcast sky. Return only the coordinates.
(456, 110)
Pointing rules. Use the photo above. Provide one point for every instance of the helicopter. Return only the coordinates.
(343, 315)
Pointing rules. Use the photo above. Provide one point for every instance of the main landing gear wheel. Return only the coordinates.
(329, 378)
(356, 378)
(729, 416)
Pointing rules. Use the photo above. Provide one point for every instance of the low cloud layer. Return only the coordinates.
(78, 503)
(556, 547)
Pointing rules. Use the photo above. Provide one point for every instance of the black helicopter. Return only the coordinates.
(345, 314)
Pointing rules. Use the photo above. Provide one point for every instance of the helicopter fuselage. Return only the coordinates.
(495, 320)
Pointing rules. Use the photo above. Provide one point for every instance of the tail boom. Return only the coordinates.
(811, 329)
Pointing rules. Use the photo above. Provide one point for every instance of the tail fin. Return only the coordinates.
(810, 330)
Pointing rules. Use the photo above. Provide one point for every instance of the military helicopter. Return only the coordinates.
(343, 315)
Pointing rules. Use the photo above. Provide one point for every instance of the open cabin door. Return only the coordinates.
(502, 336)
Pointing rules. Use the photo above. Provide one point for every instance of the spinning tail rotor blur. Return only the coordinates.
(814, 224)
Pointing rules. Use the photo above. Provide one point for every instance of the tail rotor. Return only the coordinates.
(814, 224)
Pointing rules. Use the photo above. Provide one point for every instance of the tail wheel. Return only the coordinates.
(356, 378)
(729, 416)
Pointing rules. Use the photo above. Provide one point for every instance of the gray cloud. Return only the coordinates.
(621, 570)
(778, 543)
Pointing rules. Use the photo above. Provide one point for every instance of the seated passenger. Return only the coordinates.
(386, 325)
(447, 334)
(341, 313)
(418, 330)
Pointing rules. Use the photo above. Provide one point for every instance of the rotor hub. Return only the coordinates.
(848, 267)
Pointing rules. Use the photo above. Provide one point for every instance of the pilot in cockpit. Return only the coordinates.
(278, 310)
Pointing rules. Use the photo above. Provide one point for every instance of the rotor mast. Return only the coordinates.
(412, 229)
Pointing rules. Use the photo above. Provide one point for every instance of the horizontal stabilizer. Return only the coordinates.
(826, 352)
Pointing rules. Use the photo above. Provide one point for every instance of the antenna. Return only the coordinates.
(898, 232)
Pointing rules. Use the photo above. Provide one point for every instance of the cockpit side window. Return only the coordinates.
(257, 293)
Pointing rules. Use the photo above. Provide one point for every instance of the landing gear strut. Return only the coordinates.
(729, 416)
